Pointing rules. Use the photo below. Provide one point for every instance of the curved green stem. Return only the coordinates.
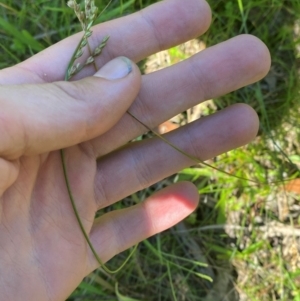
(68, 75)
(102, 265)
(195, 159)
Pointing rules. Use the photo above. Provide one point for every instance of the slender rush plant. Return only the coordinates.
(87, 17)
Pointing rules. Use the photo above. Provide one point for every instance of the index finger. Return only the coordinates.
(158, 27)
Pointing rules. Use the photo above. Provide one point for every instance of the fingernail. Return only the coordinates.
(115, 69)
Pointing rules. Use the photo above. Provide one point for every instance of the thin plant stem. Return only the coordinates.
(196, 160)
(68, 75)
(102, 265)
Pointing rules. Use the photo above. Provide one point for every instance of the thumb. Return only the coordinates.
(39, 118)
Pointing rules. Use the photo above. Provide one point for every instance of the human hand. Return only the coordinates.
(43, 255)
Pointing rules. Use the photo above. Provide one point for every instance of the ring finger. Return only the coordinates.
(141, 164)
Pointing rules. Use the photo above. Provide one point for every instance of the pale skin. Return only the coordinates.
(43, 255)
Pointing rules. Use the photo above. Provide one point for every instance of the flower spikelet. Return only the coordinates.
(86, 14)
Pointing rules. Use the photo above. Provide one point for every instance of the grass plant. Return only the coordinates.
(86, 17)
(228, 238)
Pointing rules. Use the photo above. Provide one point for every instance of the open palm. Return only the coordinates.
(43, 255)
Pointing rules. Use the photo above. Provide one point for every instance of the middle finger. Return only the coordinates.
(209, 74)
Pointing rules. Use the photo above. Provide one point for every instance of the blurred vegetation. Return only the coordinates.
(244, 262)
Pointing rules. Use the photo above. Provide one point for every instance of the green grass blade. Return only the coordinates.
(171, 282)
(121, 297)
(23, 36)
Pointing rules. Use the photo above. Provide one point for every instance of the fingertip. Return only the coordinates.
(258, 56)
(199, 16)
(208, 15)
(187, 192)
(117, 68)
(174, 22)
(250, 120)
(223, 131)
(244, 123)
(178, 200)
(121, 73)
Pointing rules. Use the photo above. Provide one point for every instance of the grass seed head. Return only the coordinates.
(87, 34)
(90, 60)
(99, 49)
(73, 70)
(86, 17)
(90, 10)
(79, 53)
